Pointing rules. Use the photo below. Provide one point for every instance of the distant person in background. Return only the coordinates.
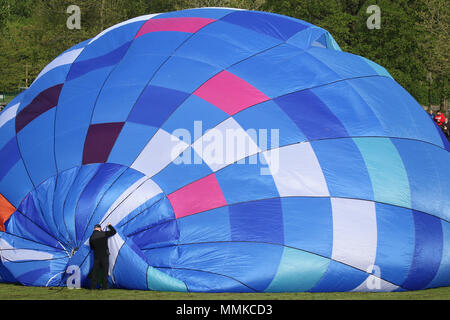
(431, 113)
(446, 128)
(439, 118)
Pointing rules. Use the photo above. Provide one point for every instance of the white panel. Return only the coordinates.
(225, 144)
(122, 197)
(142, 18)
(375, 284)
(65, 58)
(9, 253)
(354, 232)
(296, 171)
(159, 152)
(145, 192)
(8, 114)
(115, 243)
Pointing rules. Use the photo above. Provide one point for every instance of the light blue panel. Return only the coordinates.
(244, 38)
(245, 182)
(254, 263)
(160, 281)
(395, 242)
(64, 183)
(181, 172)
(407, 110)
(345, 64)
(305, 38)
(44, 195)
(386, 170)
(19, 178)
(308, 224)
(286, 69)
(268, 117)
(299, 271)
(84, 176)
(339, 278)
(73, 117)
(184, 74)
(130, 270)
(351, 110)
(110, 41)
(36, 145)
(213, 44)
(154, 212)
(132, 139)
(211, 13)
(7, 132)
(442, 278)
(344, 168)
(195, 116)
(426, 166)
(203, 281)
(126, 180)
(131, 75)
(379, 69)
(211, 225)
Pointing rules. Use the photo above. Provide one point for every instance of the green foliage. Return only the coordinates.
(412, 41)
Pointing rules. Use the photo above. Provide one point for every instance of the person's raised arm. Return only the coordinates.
(111, 231)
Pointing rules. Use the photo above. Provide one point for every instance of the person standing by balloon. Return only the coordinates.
(99, 244)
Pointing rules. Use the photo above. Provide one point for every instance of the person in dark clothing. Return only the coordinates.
(432, 114)
(446, 128)
(99, 244)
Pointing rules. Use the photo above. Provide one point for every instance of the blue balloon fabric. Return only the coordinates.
(233, 151)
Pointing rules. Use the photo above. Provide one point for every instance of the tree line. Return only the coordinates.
(412, 42)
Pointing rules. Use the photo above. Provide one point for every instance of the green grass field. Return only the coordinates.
(16, 292)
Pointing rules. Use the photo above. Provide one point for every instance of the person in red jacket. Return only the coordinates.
(439, 118)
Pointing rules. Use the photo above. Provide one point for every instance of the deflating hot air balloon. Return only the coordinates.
(233, 151)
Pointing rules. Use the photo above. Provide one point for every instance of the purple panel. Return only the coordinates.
(100, 140)
(45, 101)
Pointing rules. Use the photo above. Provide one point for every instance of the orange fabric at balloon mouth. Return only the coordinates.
(6, 210)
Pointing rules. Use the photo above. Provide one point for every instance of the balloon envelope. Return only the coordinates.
(233, 151)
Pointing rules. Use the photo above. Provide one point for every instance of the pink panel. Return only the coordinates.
(230, 93)
(202, 195)
(174, 24)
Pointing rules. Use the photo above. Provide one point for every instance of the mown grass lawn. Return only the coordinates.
(17, 292)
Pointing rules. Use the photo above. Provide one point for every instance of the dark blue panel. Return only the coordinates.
(257, 221)
(395, 242)
(164, 234)
(9, 155)
(308, 224)
(344, 168)
(155, 105)
(274, 25)
(80, 68)
(427, 251)
(340, 278)
(311, 115)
